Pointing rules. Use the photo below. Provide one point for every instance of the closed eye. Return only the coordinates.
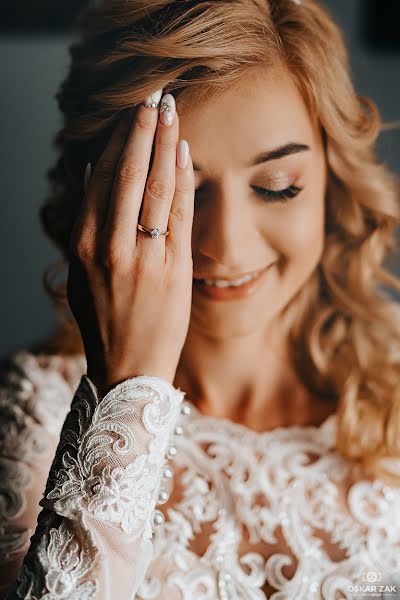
(278, 195)
(271, 195)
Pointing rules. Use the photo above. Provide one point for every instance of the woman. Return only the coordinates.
(235, 262)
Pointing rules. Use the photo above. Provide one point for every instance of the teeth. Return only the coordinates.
(222, 283)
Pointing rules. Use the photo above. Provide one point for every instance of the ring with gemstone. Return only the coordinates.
(154, 232)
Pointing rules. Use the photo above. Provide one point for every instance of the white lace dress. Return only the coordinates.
(147, 498)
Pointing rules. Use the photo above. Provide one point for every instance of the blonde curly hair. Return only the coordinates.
(343, 325)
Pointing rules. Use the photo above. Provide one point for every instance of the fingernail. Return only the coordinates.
(167, 109)
(154, 100)
(88, 173)
(183, 154)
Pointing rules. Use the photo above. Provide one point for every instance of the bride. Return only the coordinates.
(230, 352)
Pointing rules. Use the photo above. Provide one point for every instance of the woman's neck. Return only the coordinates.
(248, 380)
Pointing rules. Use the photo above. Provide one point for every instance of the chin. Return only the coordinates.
(231, 320)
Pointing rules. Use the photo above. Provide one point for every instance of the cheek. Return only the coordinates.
(300, 230)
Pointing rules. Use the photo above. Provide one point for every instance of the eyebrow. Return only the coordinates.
(280, 152)
(274, 154)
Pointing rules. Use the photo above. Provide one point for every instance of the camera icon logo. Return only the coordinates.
(372, 576)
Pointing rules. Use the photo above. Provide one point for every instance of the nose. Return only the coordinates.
(227, 231)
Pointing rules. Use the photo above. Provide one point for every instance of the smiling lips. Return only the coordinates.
(230, 282)
(230, 289)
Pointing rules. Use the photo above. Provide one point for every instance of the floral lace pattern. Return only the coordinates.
(34, 401)
(105, 476)
(99, 435)
(246, 515)
(63, 564)
(313, 530)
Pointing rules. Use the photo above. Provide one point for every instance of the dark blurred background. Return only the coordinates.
(34, 40)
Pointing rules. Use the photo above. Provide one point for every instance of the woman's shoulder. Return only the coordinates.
(39, 386)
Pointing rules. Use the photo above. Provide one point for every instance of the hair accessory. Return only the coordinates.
(155, 233)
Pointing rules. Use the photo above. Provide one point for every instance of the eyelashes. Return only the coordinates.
(270, 195)
(278, 195)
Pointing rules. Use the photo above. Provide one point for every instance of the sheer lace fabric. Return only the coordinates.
(247, 515)
(277, 514)
(93, 536)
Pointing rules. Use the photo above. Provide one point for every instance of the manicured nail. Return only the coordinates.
(88, 173)
(183, 154)
(154, 100)
(167, 109)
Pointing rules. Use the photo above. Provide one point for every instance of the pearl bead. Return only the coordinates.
(178, 430)
(162, 496)
(172, 451)
(158, 518)
(185, 409)
(168, 472)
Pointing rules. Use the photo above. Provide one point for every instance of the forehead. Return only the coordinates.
(263, 111)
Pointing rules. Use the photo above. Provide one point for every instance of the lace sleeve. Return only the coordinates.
(27, 446)
(93, 537)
